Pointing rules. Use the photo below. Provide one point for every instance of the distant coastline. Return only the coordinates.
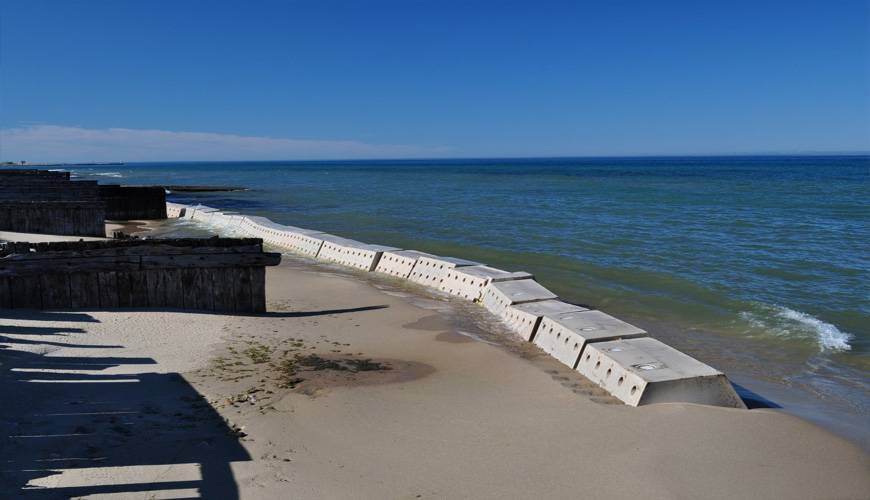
(36, 164)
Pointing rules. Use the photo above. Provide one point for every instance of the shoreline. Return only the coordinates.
(845, 421)
(445, 407)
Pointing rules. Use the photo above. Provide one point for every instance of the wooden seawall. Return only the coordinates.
(47, 202)
(133, 202)
(216, 274)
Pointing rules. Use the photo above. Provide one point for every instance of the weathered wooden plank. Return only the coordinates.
(223, 289)
(132, 289)
(22, 267)
(55, 291)
(210, 261)
(188, 284)
(139, 287)
(204, 284)
(242, 289)
(108, 289)
(5, 293)
(155, 284)
(174, 288)
(23, 251)
(26, 293)
(258, 289)
(125, 292)
(84, 290)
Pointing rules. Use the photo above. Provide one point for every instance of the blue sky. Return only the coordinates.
(172, 80)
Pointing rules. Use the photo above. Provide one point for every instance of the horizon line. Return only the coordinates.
(810, 154)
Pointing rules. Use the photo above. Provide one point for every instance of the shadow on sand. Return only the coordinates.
(60, 416)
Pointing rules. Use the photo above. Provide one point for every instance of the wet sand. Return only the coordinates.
(344, 391)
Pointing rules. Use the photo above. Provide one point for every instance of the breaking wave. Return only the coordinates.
(783, 321)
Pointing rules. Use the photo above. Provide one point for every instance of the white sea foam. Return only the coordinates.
(783, 321)
(109, 174)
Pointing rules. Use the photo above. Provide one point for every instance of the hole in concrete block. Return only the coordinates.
(633, 389)
(620, 381)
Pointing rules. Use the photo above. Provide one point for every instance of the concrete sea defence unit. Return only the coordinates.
(498, 297)
(469, 282)
(645, 371)
(614, 354)
(524, 319)
(430, 271)
(351, 253)
(175, 210)
(399, 263)
(215, 274)
(565, 335)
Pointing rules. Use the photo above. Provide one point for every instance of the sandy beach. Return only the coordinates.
(348, 390)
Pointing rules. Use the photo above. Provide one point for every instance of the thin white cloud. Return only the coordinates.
(53, 143)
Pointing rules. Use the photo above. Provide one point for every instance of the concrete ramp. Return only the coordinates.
(524, 319)
(430, 271)
(644, 371)
(498, 297)
(469, 282)
(565, 335)
(399, 263)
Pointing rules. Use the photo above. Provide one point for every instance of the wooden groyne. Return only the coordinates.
(133, 202)
(48, 202)
(86, 218)
(216, 274)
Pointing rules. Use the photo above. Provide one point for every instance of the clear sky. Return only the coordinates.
(184, 79)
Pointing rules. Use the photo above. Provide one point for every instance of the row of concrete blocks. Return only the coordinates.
(617, 356)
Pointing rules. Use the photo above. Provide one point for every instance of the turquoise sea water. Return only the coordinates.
(759, 266)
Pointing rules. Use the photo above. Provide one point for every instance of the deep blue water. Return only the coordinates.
(757, 265)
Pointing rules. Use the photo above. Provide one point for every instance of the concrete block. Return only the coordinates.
(175, 210)
(202, 210)
(430, 271)
(499, 296)
(565, 335)
(305, 242)
(399, 263)
(645, 371)
(524, 319)
(468, 282)
(351, 253)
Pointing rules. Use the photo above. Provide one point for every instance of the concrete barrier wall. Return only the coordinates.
(399, 263)
(644, 371)
(523, 319)
(430, 271)
(175, 210)
(565, 335)
(469, 282)
(616, 355)
(351, 253)
(498, 297)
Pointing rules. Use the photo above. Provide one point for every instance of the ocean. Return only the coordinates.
(759, 266)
